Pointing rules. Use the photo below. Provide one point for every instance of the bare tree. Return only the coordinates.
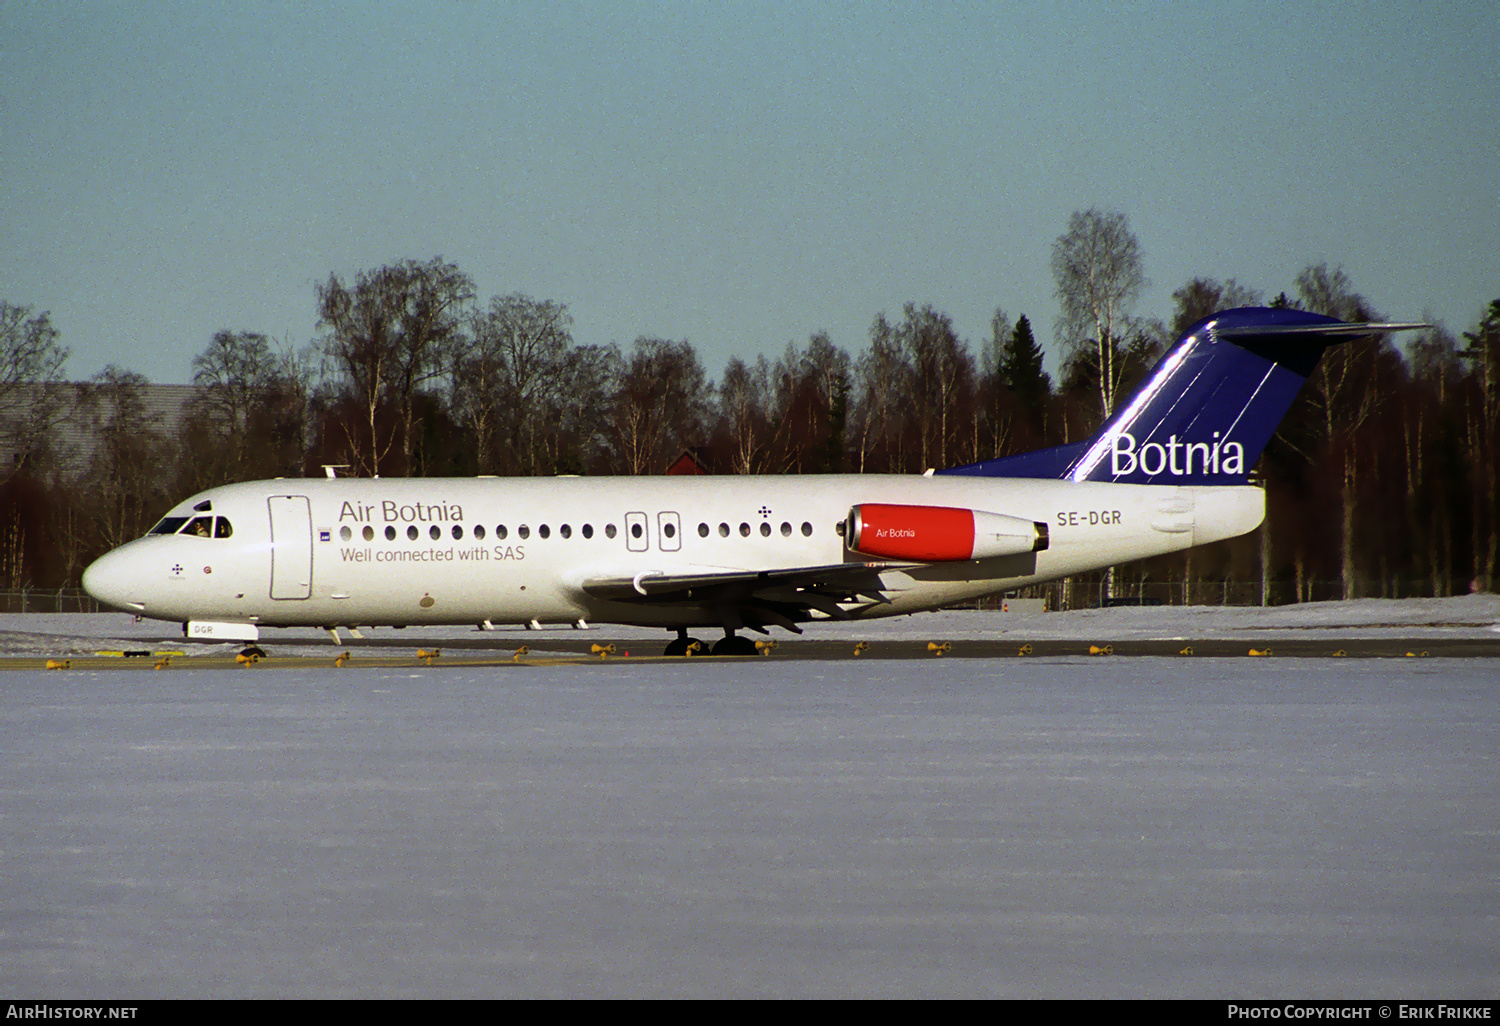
(942, 380)
(1097, 266)
(33, 396)
(388, 334)
(883, 376)
(660, 404)
(825, 373)
(127, 474)
(249, 416)
(509, 381)
(1484, 351)
(1204, 297)
(1344, 388)
(744, 406)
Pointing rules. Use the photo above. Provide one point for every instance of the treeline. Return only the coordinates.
(1382, 480)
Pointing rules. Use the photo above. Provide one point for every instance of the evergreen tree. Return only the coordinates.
(1021, 363)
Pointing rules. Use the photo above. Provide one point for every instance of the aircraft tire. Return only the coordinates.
(734, 645)
(680, 646)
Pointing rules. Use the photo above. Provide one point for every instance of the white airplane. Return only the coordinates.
(1168, 471)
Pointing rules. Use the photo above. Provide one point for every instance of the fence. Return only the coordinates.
(50, 600)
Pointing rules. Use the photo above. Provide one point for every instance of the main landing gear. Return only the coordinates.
(730, 644)
(684, 645)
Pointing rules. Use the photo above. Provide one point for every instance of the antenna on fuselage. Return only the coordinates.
(331, 469)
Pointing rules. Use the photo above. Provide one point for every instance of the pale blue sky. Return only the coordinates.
(738, 175)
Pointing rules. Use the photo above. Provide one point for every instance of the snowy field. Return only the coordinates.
(1141, 827)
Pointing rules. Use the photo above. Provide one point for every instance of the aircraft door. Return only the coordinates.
(668, 532)
(291, 547)
(636, 539)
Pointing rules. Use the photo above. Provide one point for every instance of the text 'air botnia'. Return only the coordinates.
(394, 512)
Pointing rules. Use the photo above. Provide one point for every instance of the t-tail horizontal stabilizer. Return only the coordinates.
(1205, 412)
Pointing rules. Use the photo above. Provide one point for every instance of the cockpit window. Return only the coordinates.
(203, 527)
(200, 527)
(168, 525)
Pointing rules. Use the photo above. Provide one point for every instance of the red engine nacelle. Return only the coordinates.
(937, 534)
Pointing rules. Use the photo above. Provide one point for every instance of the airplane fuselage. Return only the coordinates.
(369, 552)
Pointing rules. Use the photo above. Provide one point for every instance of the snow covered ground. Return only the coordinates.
(1146, 827)
(1060, 827)
(1471, 617)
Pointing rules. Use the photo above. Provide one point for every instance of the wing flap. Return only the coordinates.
(754, 599)
(861, 579)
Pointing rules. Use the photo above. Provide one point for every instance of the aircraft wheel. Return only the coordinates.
(734, 645)
(684, 646)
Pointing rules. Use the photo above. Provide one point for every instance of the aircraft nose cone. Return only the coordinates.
(110, 580)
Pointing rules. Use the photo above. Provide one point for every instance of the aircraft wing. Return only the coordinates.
(753, 598)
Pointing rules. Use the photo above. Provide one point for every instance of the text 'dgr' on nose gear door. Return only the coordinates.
(291, 547)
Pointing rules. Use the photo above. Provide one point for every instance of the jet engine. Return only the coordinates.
(935, 534)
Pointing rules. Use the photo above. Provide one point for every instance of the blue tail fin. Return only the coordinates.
(1205, 413)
